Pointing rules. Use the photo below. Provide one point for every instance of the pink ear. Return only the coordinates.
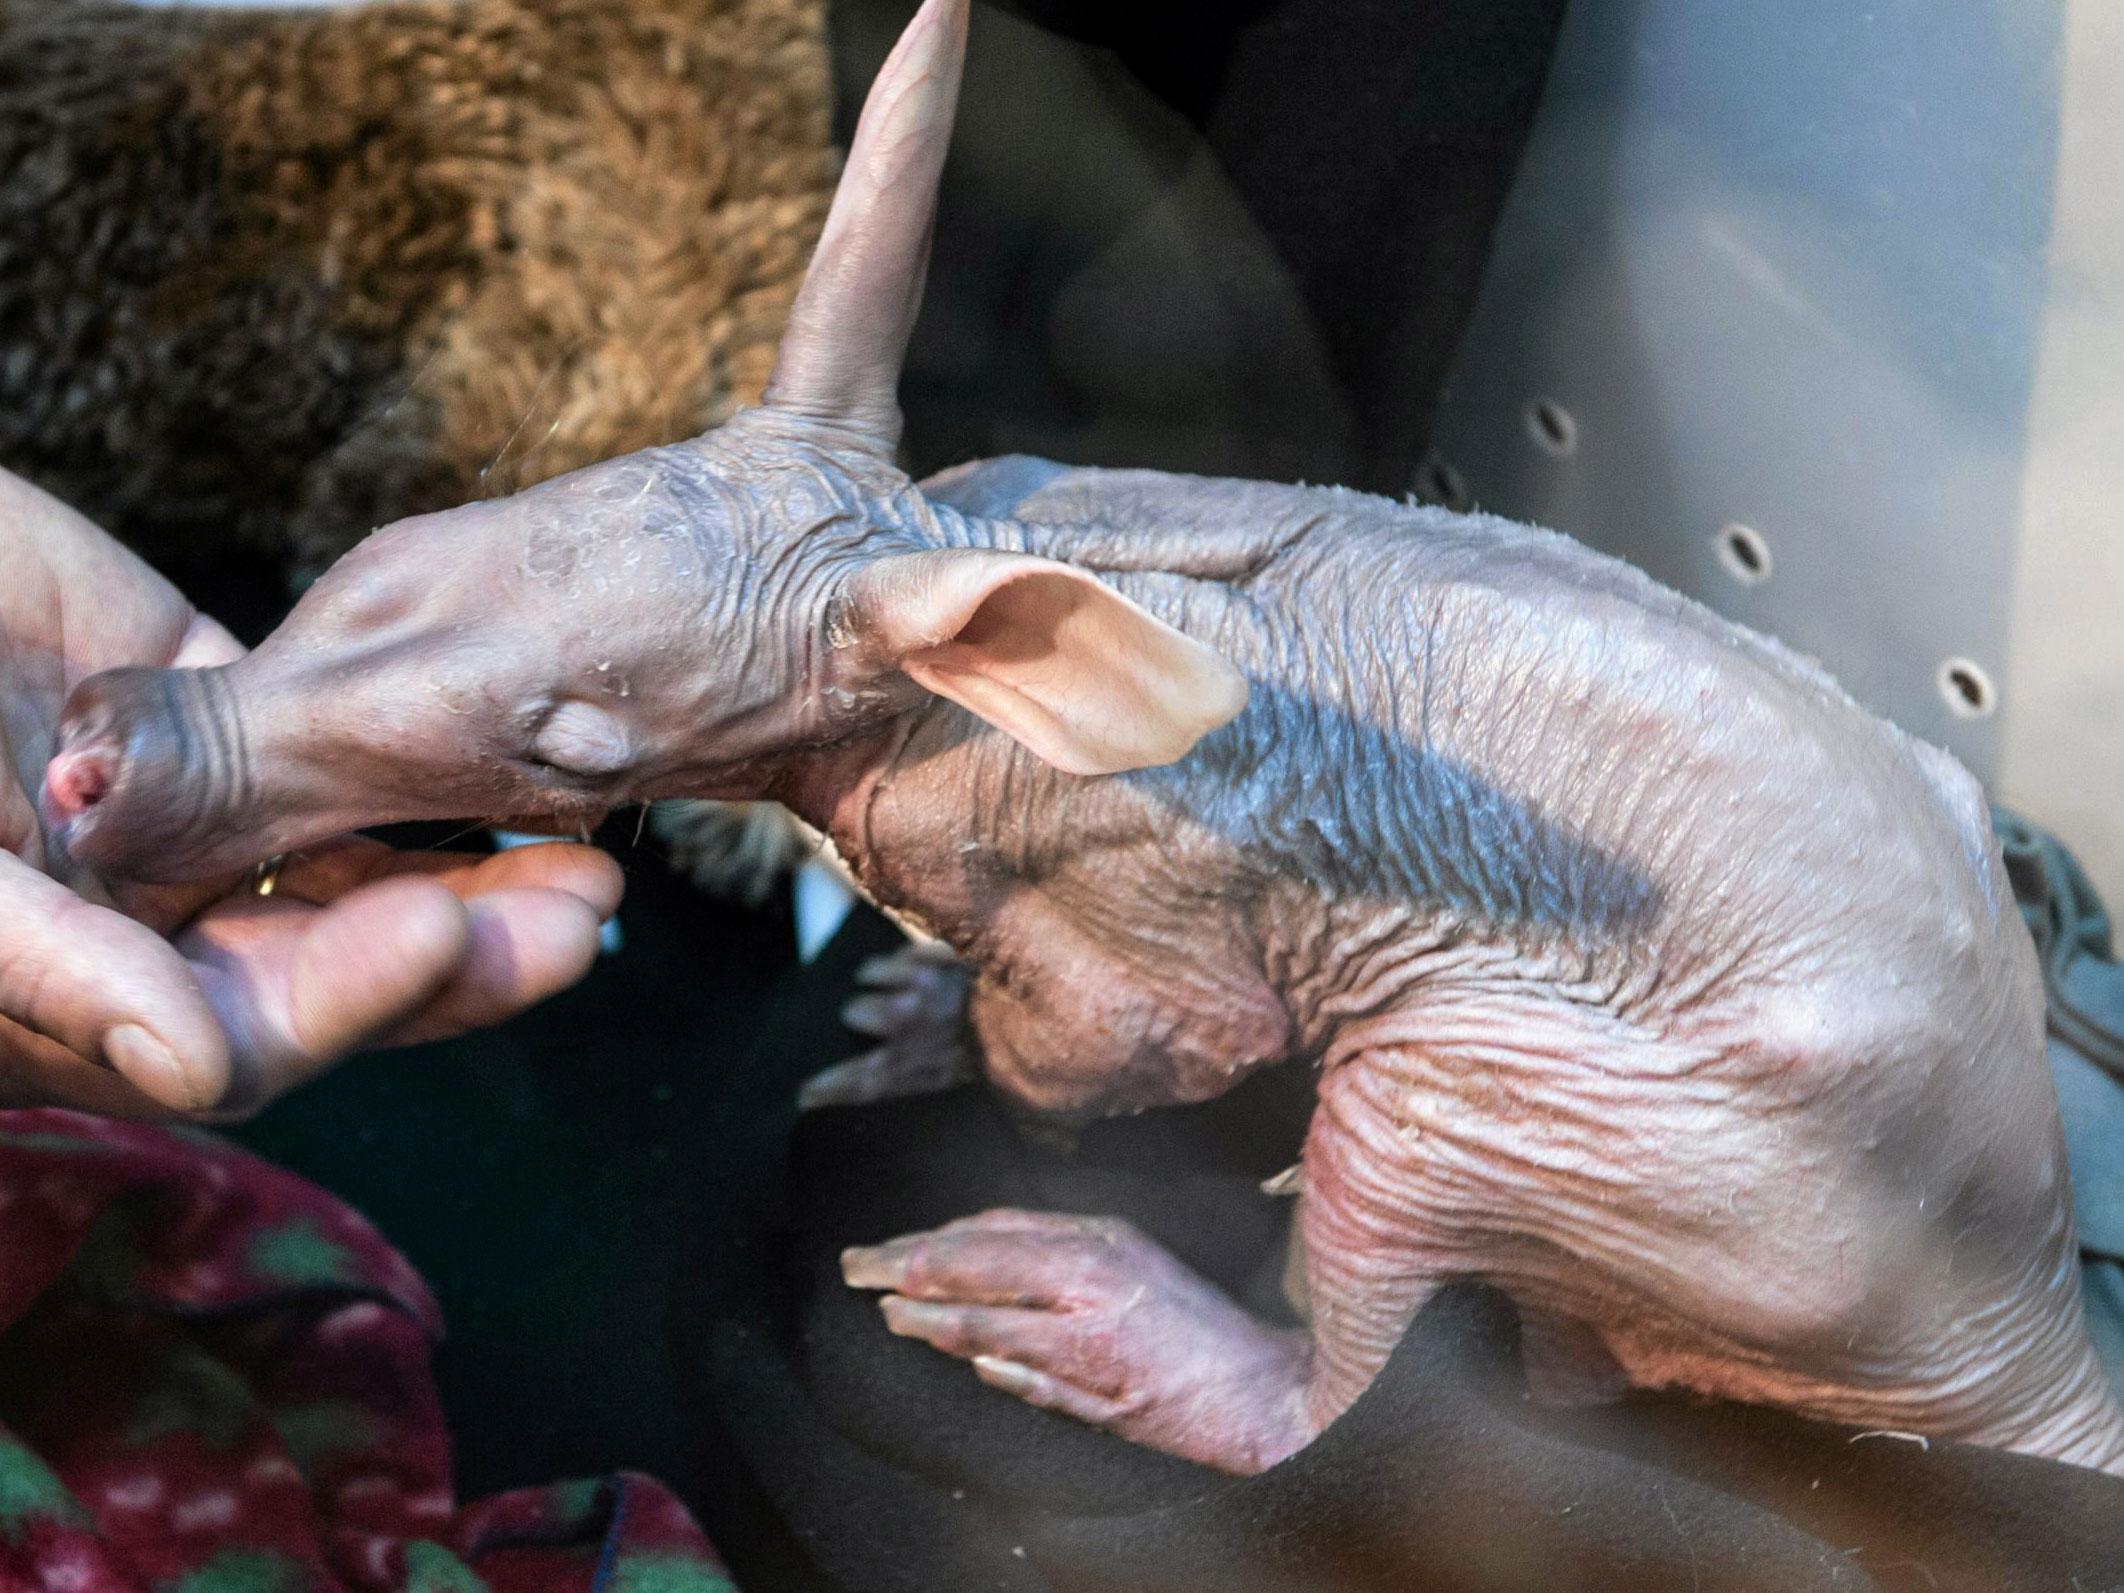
(847, 334)
(1057, 661)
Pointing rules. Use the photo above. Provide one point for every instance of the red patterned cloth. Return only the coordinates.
(214, 1378)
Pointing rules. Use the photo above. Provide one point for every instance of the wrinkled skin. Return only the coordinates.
(1646, 975)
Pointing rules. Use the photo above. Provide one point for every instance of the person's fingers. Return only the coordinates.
(162, 908)
(396, 961)
(38, 1071)
(108, 989)
(324, 873)
(204, 645)
(371, 960)
(108, 605)
(298, 987)
(584, 872)
(528, 943)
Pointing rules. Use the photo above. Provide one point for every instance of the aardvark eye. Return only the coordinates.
(583, 739)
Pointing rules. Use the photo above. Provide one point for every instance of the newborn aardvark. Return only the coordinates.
(1645, 974)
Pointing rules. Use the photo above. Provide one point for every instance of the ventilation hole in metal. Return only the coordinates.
(1438, 482)
(1966, 689)
(1744, 553)
(1552, 428)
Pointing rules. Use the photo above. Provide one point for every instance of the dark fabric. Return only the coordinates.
(534, 1173)
(1239, 237)
(835, 1456)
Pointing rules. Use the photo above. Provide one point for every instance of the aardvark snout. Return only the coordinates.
(143, 760)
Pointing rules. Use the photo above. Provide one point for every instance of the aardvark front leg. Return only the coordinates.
(1085, 1316)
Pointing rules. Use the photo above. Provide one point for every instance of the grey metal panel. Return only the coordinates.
(2062, 725)
(1783, 266)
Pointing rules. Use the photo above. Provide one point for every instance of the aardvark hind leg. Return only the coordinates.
(914, 1005)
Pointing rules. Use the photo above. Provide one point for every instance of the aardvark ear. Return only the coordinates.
(847, 335)
(1046, 653)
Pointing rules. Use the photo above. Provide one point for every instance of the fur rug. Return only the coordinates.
(269, 279)
(287, 275)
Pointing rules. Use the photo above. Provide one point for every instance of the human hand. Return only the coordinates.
(208, 999)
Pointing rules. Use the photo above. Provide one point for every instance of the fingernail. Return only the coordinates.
(149, 1065)
(1009, 1376)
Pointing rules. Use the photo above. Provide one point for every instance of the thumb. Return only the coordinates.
(297, 987)
(108, 989)
(205, 644)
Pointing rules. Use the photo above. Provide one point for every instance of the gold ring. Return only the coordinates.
(266, 876)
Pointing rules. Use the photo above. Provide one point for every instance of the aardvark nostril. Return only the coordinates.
(77, 780)
(143, 761)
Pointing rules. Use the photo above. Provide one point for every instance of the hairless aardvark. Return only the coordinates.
(1645, 974)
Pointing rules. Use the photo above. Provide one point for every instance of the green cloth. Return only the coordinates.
(2084, 985)
(2081, 976)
